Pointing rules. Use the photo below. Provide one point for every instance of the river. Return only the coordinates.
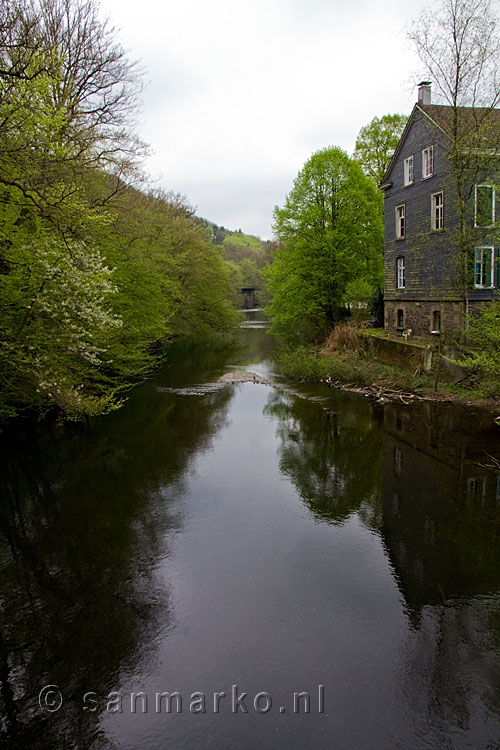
(281, 567)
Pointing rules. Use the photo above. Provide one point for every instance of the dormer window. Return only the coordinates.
(428, 162)
(408, 171)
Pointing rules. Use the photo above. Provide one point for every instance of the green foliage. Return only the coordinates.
(358, 297)
(244, 241)
(331, 234)
(96, 277)
(56, 325)
(481, 352)
(306, 363)
(376, 143)
(247, 256)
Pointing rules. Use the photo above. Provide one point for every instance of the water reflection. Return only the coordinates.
(204, 536)
(440, 524)
(333, 455)
(83, 520)
(441, 502)
(450, 674)
(439, 521)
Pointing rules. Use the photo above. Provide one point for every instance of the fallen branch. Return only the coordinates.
(380, 394)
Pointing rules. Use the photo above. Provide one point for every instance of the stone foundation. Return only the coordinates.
(423, 317)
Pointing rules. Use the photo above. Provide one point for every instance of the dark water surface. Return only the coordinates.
(252, 540)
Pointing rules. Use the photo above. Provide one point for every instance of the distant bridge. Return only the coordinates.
(248, 293)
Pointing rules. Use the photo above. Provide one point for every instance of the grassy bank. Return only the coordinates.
(346, 359)
(308, 363)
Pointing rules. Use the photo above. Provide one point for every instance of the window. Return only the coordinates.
(400, 221)
(400, 319)
(398, 461)
(476, 486)
(436, 320)
(483, 267)
(400, 265)
(485, 206)
(428, 162)
(408, 169)
(437, 217)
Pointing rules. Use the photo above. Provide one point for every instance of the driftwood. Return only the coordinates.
(374, 392)
(381, 395)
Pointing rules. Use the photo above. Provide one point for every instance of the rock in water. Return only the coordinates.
(241, 376)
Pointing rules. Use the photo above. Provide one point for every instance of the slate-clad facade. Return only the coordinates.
(422, 266)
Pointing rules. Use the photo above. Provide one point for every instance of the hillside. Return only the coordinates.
(248, 254)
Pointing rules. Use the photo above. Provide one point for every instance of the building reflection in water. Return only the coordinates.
(441, 524)
(441, 501)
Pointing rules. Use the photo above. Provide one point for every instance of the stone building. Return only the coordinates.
(430, 286)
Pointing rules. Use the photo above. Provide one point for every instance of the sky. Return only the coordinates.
(240, 93)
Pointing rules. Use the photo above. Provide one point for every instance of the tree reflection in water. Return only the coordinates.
(332, 455)
(86, 526)
(423, 478)
(83, 520)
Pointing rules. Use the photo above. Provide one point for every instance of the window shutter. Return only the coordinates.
(487, 267)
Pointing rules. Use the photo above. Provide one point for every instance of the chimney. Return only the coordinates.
(424, 92)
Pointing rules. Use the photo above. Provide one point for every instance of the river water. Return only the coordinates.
(302, 568)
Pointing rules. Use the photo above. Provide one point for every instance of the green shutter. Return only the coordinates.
(488, 262)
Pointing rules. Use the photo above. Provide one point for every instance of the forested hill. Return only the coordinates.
(246, 254)
(96, 276)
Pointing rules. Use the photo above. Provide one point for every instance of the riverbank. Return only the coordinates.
(351, 366)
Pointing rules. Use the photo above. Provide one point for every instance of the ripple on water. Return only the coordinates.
(194, 390)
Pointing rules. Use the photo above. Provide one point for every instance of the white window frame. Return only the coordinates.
(427, 162)
(400, 272)
(481, 262)
(408, 171)
(401, 221)
(437, 211)
(485, 226)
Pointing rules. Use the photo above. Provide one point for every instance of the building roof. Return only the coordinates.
(471, 121)
(479, 124)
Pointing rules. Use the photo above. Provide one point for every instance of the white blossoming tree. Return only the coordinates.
(57, 302)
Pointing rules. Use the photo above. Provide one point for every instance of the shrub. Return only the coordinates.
(344, 337)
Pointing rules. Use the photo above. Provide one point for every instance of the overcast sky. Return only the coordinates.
(240, 93)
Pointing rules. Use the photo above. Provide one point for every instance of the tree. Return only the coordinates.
(376, 143)
(56, 325)
(96, 277)
(330, 233)
(482, 351)
(67, 96)
(458, 44)
(67, 93)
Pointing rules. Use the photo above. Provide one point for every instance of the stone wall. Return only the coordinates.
(415, 358)
(420, 317)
